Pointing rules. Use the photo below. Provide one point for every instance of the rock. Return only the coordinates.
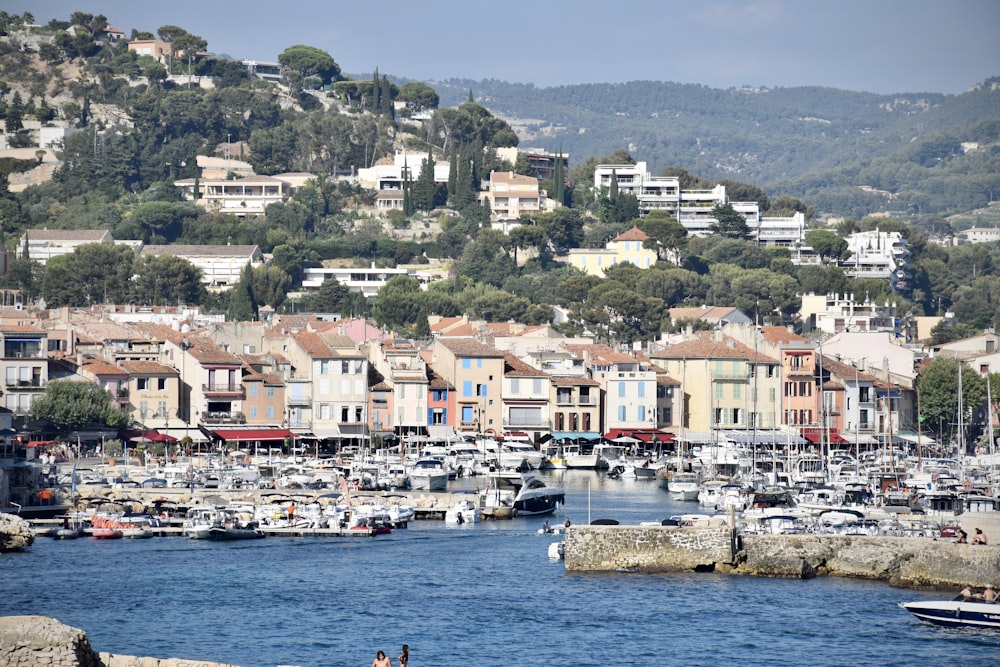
(15, 533)
(39, 641)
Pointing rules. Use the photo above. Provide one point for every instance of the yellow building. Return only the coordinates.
(626, 247)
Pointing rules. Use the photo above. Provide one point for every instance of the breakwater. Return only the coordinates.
(901, 561)
(40, 641)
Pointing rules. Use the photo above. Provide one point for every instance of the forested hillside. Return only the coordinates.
(831, 147)
(136, 125)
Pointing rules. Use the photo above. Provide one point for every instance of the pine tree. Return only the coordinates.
(471, 98)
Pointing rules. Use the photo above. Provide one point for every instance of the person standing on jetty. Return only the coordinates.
(381, 660)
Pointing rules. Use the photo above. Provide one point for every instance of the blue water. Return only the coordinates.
(470, 595)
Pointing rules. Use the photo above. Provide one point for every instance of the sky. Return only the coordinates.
(878, 46)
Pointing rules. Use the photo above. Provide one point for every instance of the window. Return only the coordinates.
(270, 392)
(480, 390)
(466, 362)
(437, 416)
(525, 416)
(344, 413)
(270, 411)
(718, 391)
(621, 413)
(467, 388)
(161, 383)
(621, 390)
(737, 390)
(252, 389)
(515, 386)
(253, 412)
(586, 421)
(640, 413)
(142, 384)
(642, 390)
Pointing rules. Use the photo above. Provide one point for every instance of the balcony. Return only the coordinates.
(298, 401)
(24, 385)
(231, 390)
(223, 418)
(521, 423)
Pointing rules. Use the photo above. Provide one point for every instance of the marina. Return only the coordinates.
(321, 602)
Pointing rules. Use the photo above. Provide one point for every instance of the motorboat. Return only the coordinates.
(580, 456)
(218, 523)
(429, 474)
(684, 486)
(462, 512)
(535, 497)
(519, 455)
(960, 612)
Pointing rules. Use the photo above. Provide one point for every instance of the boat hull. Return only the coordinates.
(956, 613)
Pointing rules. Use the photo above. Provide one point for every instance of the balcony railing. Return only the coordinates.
(24, 384)
(298, 400)
(224, 418)
(222, 389)
(530, 423)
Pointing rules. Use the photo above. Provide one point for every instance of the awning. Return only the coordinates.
(149, 435)
(815, 436)
(764, 437)
(575, 435)
(644, 434)
(252, 434)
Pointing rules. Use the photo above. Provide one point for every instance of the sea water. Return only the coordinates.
(484, 594)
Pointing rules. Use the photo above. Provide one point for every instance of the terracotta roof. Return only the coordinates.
(21, 329)
(634, 234)
(342, 344)
(781, 335)
(514, 367)
(600, 354)
(845, 371)
(437, 381)
(148, 368)
(467, 347)
(313, 345)
(101, 367)
(104, 331)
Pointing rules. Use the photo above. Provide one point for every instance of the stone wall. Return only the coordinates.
(654, 548)
(904, 561)
(39, 641)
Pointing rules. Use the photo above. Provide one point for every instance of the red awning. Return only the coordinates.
(815, 436)
(644, 434)
(252, 434)
(149, 435)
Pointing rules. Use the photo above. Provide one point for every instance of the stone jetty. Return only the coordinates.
(902, 561)
(40, 641)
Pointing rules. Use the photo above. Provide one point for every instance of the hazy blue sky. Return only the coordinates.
(882, 46)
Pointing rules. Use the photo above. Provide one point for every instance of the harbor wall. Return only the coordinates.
(903, 561)
(652, 548)
(40, 641)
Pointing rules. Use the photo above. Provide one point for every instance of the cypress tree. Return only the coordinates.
(385, 93)
(452, 176)
(558, 184)
(242, 303)
(424, 192)
(471, 98)
(613, 192)
(373, 103)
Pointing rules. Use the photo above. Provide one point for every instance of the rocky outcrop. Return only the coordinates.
(34, 641)
(39, 641)
(648, 548)
(15, 533)
(905, 561)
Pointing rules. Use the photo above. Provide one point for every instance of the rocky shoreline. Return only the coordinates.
(40, 641)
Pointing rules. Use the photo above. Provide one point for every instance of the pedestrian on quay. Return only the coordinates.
(381, 660)
(404, 657)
